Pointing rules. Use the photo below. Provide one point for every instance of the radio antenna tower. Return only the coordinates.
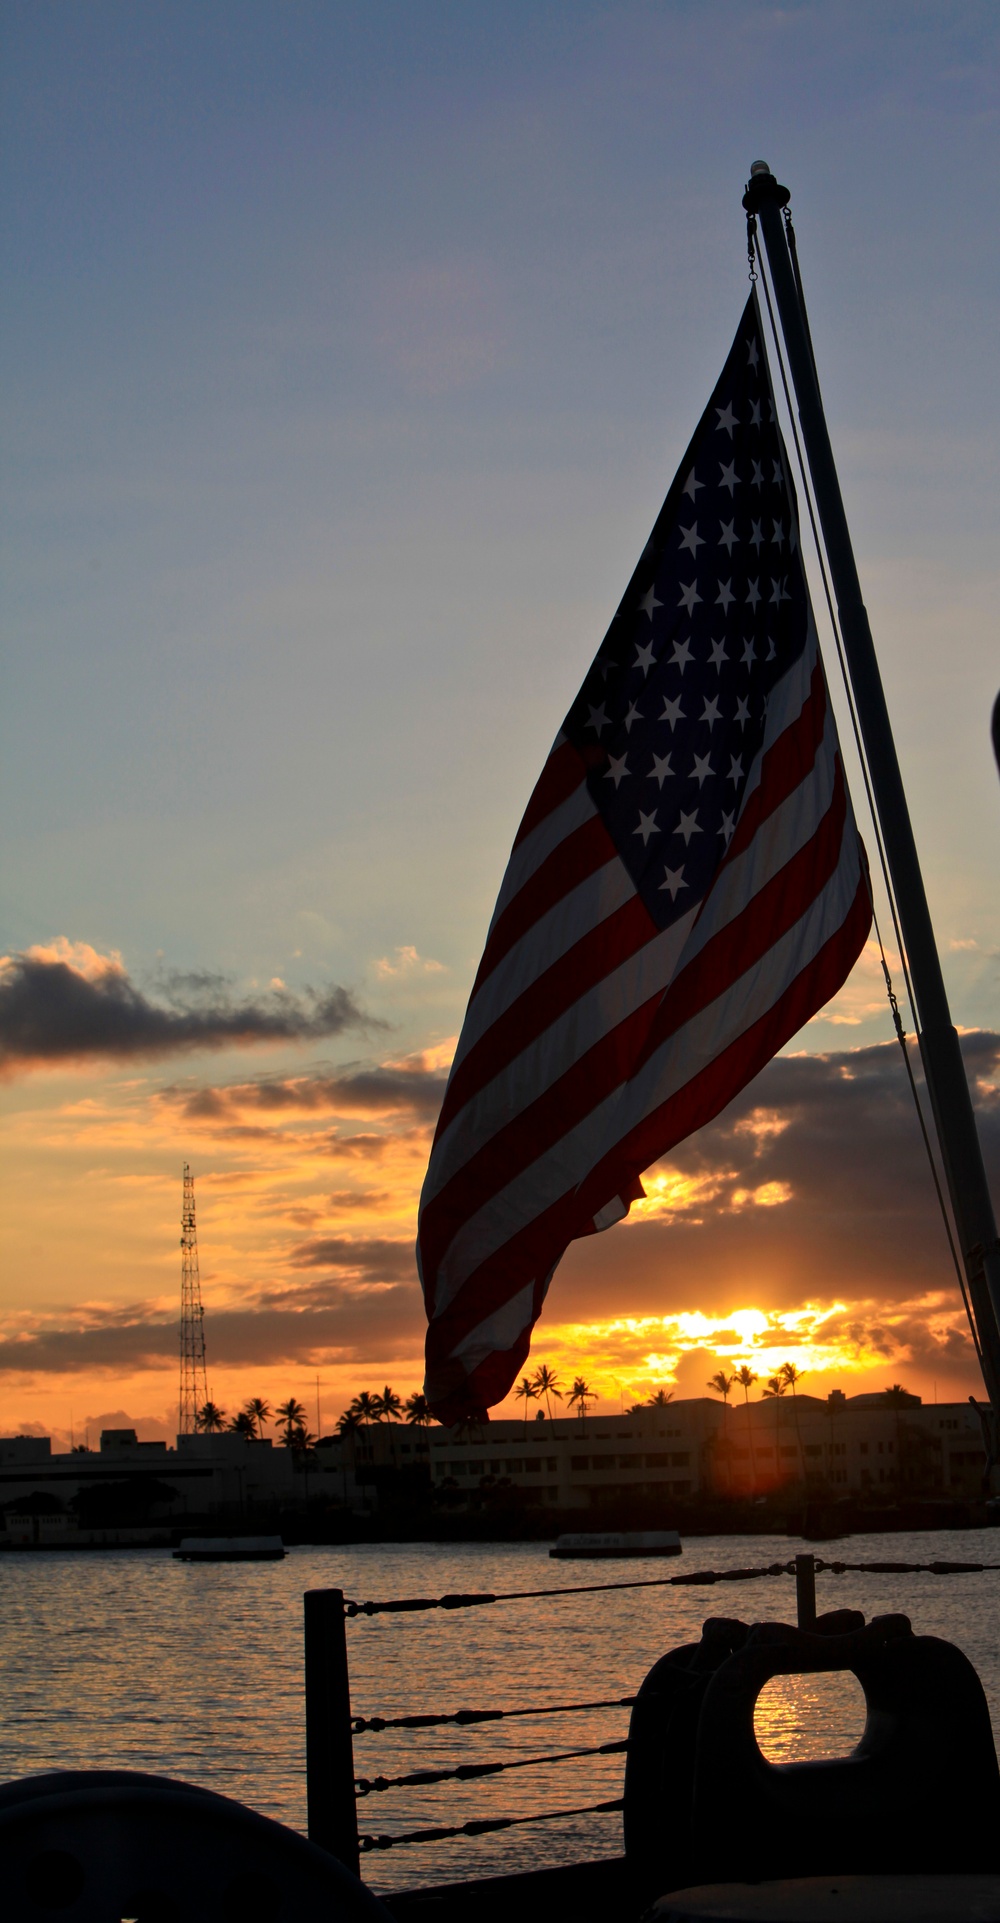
(194, 1387)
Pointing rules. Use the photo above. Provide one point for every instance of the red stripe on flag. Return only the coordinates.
(582, 853)
(533, 1251)
(784, 766)
(529, 1135)
(562, 772)
(497, 1280)
(708, 1092)
(769, 915)
(595, 955)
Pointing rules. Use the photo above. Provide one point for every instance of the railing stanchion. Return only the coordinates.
(332, 1809)
(805, 1591)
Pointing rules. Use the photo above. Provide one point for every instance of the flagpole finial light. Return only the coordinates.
(762, 187)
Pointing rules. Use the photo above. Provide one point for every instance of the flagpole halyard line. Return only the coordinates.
(872, 810)
(839, 645)
(954, 1115)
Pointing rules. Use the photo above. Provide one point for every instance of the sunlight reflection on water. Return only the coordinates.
(130, 1660)
(800, 1719)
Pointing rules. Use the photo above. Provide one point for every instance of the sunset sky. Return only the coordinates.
(349, 353)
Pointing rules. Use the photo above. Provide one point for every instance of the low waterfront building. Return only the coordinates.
(657, 1459)
(702, 1449)
(130, 1490)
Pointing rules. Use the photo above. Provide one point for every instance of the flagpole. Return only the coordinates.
(941, 1055)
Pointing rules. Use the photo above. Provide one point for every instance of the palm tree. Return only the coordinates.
(259, 1409)
(746, 1379)
(210, 1418)
(660, 1399)
(790, 1375)
(581, 1394)
(722, 1384)
(526, 1393)
(291, 1415)
(243, 1425)
(390, 1410)
(776, 1389)
(366, 1407)
(418, 1410)
(546, 1384)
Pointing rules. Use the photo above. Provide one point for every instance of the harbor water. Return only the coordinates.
(130, 1660)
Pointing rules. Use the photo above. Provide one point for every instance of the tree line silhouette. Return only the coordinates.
(386, 1406)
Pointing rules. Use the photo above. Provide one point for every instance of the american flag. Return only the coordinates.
(686, 889)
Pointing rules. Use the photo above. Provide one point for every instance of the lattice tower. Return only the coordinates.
(194, 1386)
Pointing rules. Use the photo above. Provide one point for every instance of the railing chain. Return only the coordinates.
(376, 1724)
(477, 1600)
(368, 1843)
(466, 1772)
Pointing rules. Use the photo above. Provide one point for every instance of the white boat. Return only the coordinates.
(619, 1542)
(230, 1549)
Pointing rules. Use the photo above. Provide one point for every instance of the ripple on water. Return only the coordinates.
(130, 1660)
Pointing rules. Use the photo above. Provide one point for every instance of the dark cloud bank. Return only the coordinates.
(406, 1089)
(861, 1226)
(862, 1221)
(51, 1011)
